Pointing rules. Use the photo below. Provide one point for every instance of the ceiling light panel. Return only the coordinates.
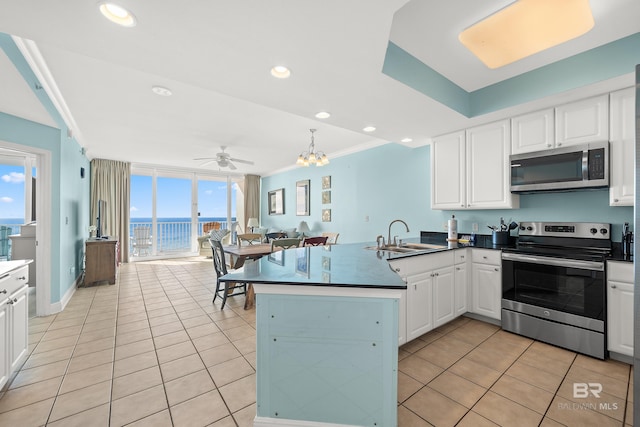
(280, 72)
(526, 27)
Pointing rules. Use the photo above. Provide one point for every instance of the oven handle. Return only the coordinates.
(555, 262)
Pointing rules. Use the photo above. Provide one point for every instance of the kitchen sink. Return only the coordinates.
(402, 250)
(407, 247)
(423, 246)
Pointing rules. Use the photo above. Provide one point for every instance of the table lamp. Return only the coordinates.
(253, 222)
(303, 228)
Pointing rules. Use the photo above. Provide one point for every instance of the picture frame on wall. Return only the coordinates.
(326, 182)
(276, 202)
(302, 198)
(326, 197)
(326, 215)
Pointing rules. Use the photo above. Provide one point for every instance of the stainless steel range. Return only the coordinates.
(554, 285)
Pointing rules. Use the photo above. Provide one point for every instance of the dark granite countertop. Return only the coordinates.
(357, 265)
(343, 265)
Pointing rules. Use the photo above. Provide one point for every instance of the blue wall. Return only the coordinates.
(393, 181)
(69, 196)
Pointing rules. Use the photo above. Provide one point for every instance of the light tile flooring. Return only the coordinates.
(153, 351)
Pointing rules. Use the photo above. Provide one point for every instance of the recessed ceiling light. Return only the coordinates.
(117, 14)
(369, 129)
(323, 115)
(280, 72)
(162, 91)
(406, 140)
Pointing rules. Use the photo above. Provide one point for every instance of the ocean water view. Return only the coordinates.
(170, 234)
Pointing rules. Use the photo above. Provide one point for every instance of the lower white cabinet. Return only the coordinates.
(419, 305)
(486, 283)
(460, 271)
(620, 281)
(14, 317)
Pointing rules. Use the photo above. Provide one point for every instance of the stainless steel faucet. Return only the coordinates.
(389, 236)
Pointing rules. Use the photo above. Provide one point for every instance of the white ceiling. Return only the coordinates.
(215, 56)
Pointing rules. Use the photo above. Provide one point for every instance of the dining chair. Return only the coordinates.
(332, 237)
(219, 265)
(315, 241)
(285, 243)
(4, 241)
(249, 238)
(276, 235)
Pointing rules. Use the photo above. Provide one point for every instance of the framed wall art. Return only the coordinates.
(276, 202)
(326, 197)
(302, 197)
(326, 215)
(326, 182)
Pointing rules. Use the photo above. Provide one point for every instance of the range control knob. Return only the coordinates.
(530, 228)
(603, 231)
(522, 227)
(593, 231)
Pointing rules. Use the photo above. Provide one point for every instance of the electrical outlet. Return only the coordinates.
(366, 218)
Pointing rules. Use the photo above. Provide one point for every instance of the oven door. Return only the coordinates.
(565, 285)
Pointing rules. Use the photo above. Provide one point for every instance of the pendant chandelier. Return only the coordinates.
(312, 156)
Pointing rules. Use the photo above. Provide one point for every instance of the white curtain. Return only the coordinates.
(110, 181)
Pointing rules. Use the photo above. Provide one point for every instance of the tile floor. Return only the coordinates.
(153, 351)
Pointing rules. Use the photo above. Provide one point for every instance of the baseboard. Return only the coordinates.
(621, 357)
(278, 422)
(57, 307)
(482, 318)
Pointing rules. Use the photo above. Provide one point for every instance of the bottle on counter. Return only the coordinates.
(452, 229)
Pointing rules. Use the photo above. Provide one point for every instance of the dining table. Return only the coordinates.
(238, 254)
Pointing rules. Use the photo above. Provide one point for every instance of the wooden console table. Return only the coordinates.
(101, 261)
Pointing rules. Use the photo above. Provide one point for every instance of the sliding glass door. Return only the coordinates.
(169, 211)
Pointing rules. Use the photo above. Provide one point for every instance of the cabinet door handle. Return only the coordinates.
(496, 269)
(484, 257)
(397, 270)
(415, 286)
(457, 268)
(437, 274)
(613, 286)
(4, 291)
(22, 278)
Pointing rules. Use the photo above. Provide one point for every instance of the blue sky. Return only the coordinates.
(11, 191)
(174, 198)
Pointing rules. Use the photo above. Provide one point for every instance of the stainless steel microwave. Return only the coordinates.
(560, 169)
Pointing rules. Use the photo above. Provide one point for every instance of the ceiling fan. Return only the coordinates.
(223, 159)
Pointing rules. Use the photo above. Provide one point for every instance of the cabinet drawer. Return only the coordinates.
(620, 271)
(460, 256)
(486, 256)
(11, 282)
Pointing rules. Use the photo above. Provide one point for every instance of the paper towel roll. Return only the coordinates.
(452, 227)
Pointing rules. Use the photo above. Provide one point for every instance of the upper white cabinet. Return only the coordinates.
(448, 168)
(622, 147)
(533, 132)
(583, 121)
(470, 170)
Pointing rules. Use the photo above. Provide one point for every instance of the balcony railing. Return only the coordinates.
(170, 237)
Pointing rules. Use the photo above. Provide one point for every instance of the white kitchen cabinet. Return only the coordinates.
(448, 168)
(583, 121)
(13, 321)
(461, 281)
(486, 283)
(622, 143)
(620, 282)
(430, 284)
(444, 296)
(533, 132)
(488, 172)
(470, 170)
(419, 305)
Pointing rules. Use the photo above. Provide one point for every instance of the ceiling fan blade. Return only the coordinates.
(231, 166)
(205, 158)
(248, 162)
(207, 162)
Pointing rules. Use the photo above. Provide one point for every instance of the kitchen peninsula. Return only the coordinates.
(327, 336)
